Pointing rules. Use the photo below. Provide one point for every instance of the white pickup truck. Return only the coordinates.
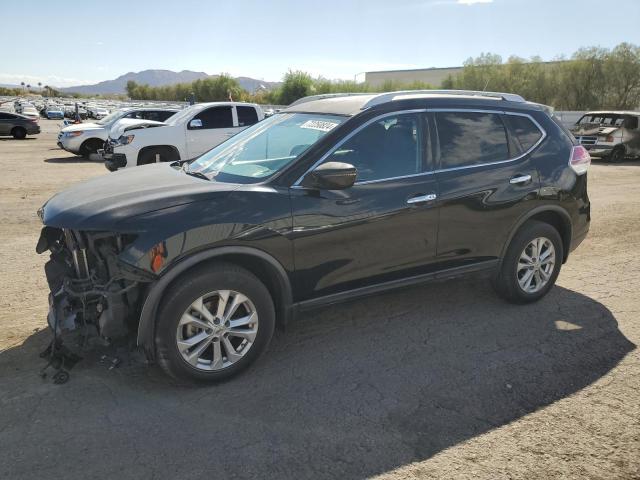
(186, 135)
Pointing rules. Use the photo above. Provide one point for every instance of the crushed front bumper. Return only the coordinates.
(113, 161)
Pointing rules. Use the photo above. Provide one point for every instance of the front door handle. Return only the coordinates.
(520, 179)
(422, 198)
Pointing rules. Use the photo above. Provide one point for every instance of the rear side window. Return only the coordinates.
(215, 117)
(472, 138)
(525, 131)
(246, 116)
(6, 116)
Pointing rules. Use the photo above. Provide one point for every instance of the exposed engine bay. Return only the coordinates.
(92, 293)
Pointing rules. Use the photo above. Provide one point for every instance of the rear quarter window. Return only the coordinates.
(526, 132)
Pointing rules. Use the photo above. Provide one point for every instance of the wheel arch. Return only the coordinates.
(90, 140)
(171, 148)
(553, 215)
(261, 264)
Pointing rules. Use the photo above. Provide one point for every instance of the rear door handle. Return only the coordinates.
(520, 179)
(430, 197)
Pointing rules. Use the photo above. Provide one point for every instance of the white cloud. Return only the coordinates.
(473, 2)
(52, 80)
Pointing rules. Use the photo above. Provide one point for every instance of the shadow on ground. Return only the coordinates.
(346, 392)
(75, 159)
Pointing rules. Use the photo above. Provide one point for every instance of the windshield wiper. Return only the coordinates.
(185, 169)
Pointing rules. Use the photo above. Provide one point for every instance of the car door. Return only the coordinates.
(209, 128)
(6, 123)
(486, 178)
(381, 229)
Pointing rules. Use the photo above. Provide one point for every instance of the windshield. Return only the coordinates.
(264, 148)
(111, 117)
(178, 116)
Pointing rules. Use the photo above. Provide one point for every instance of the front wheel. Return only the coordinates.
(617, 156)
(531, 265)
(213, 323)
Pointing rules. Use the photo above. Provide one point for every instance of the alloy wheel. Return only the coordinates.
(536, 265)
(217, 330)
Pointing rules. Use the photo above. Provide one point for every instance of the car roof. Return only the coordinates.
(352, 104)
(612, 112)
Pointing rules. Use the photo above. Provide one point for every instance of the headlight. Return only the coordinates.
(73, 134)
(125, 139)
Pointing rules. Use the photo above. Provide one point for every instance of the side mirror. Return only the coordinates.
(195, 123)
(331, 176)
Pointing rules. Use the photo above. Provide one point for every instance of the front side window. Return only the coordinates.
(471, 138)
(387, 148)
(215, 117)
(265, 148)
(631, 122)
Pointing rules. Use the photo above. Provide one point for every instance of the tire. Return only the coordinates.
(19, 133)
(90, 146)
(149, 156)
(618, 155)
(507, 281)
(173, 324)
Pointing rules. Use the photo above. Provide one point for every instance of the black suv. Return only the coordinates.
(333, 198)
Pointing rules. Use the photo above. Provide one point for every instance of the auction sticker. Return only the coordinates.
(321, 125)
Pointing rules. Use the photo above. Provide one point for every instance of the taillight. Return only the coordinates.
(609, 138)
(580, 159)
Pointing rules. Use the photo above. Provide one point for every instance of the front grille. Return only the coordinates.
(587, 139)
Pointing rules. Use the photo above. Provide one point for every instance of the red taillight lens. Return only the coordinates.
(580, 159)
(609, 138)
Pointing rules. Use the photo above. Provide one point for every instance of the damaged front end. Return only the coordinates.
(92, 292)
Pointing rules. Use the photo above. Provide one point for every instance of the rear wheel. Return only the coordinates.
(532, 263)
(19, 133)
(157, 155)
(214, 323)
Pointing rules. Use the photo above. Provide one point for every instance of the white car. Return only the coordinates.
(186, 135)
(29, 111)
(99, 112)
(87, 138)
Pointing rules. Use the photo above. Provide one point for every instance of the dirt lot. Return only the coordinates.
(443, 381)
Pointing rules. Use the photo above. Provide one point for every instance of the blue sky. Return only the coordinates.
(72, 42)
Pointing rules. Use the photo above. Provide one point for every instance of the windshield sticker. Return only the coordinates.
(321, 125)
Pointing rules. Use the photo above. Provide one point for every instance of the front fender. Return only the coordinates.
(146, 327)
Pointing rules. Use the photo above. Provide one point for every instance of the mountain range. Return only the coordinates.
(156, 78)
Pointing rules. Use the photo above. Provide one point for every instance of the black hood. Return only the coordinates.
(102, 202)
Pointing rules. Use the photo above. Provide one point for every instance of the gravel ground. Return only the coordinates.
(440, 381)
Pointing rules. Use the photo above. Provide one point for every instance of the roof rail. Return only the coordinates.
(391, 96)
(311, 98)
